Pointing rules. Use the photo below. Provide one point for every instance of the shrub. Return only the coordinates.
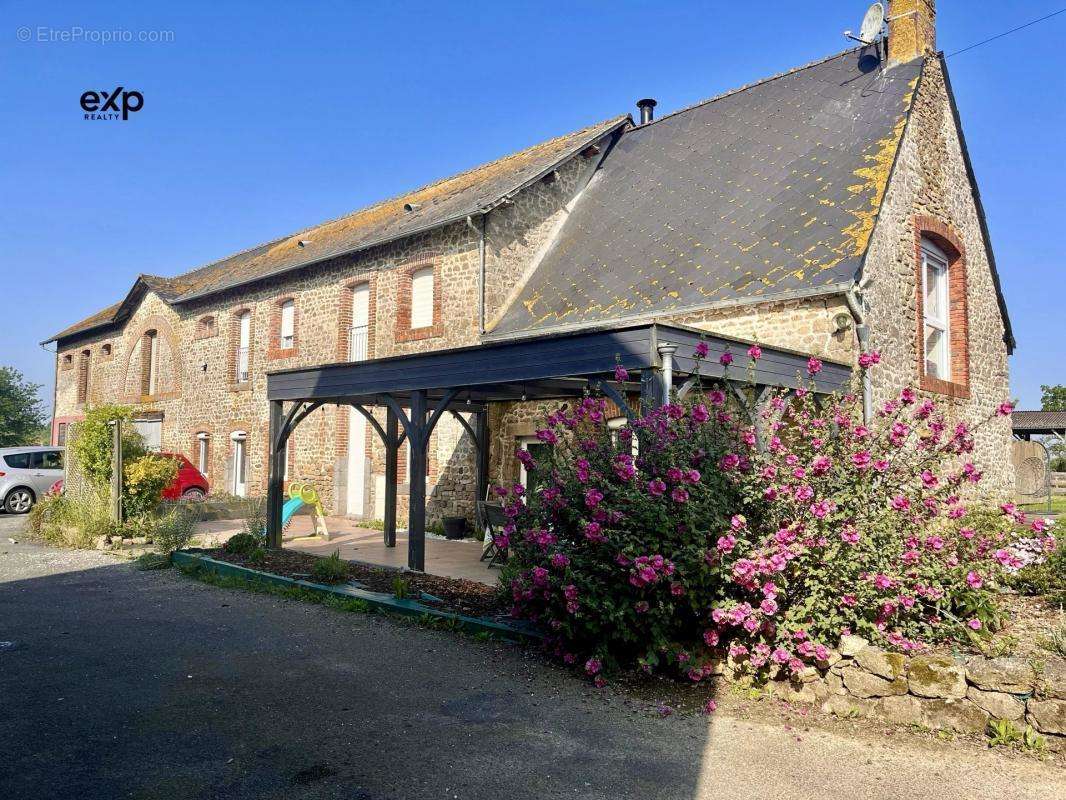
(1047, 578)
(73, 521)
(331, 569)
(242, 544)
(91, 447)
(707, 544)
(145, 479)
(175, 528)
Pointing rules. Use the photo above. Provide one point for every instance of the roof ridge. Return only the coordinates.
(397, 197)
(751, 85)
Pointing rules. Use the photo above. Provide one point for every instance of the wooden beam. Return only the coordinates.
(277, 471)
(392, 446)
(416, 512)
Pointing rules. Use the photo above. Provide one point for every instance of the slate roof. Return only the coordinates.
(772, 189)
(437, 204)
(1037, 421)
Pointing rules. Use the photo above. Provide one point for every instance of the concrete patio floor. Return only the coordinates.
(444, 557)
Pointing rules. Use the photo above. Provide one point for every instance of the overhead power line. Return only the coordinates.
(1006, 33)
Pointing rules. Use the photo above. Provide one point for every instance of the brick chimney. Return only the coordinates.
(911, 29)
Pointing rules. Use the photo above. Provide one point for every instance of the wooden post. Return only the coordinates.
(116, 471)
(392, 434)
(416, 512)
(651, 390)
(277, 470)
(481, 426)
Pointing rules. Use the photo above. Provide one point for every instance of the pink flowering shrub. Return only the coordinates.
(706, 544)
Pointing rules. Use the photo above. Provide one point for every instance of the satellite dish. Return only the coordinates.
(872, 23)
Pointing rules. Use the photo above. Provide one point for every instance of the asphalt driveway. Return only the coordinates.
(123, 684)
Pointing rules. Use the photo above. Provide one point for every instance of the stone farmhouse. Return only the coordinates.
(824, 211)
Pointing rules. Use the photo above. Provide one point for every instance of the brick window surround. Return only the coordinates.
(234, 343)
(344, 316)
(83, 376)
(275, 350)
(206, 327)
(147, 339)
(944, 237)
(404, 332)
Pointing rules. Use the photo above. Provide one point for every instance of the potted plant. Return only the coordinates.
(454, 527)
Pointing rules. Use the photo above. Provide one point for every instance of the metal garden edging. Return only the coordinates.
(384, 602)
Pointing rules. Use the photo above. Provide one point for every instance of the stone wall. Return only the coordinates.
(935, 691)
(930, 191)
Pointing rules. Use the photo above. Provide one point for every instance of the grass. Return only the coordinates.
(1058, 506)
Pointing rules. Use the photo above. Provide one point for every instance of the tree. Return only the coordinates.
(1053, 398)
(21, 414)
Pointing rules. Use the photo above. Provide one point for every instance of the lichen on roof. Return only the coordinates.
(423, 209)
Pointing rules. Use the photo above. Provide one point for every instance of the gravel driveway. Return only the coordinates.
(126, 684)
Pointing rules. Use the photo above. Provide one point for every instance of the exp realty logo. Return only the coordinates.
(117, 104)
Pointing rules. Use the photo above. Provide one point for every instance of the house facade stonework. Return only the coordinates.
(173, 349)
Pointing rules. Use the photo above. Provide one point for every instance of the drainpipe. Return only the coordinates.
(666, 352)
(480, 230)
(862, 332)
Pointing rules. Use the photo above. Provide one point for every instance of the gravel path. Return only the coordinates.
(126, 684)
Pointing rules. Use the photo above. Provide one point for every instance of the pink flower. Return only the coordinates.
(700, 413)
(849, 535)
(656, 488)
(848, 600)
(814, 366)
(593, 497)
(710, 707)
(821, 465)
(710, 637)
(755, 352)
(593, 532)
(726, 544)
(974, 624)
(559, 560)
(1004, 410)
(621, 373)
(929, 480)
(867, 360)
(974, 580)
(900, 502)
(781, 655)
(701, 350)
(725, 359)
(768, 607)
(861, 459)
(593, 666)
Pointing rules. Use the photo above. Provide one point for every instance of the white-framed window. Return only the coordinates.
(422, 298)
(244, 341)
(936, 312)
(288, 325)
(240, 463)
(203, 445)
(358, 334)
(538, 450)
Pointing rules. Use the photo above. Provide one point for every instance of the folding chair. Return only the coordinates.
(491, 520)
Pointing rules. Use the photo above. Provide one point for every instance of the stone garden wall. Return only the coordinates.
(935, 691)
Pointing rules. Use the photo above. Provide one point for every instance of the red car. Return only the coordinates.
(190, 483)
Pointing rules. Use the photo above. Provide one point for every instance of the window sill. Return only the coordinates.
(286, 352)
(947, 388)
(242, 386)
(417, 334)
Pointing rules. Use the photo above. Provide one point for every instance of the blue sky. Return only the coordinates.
(261, 118)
